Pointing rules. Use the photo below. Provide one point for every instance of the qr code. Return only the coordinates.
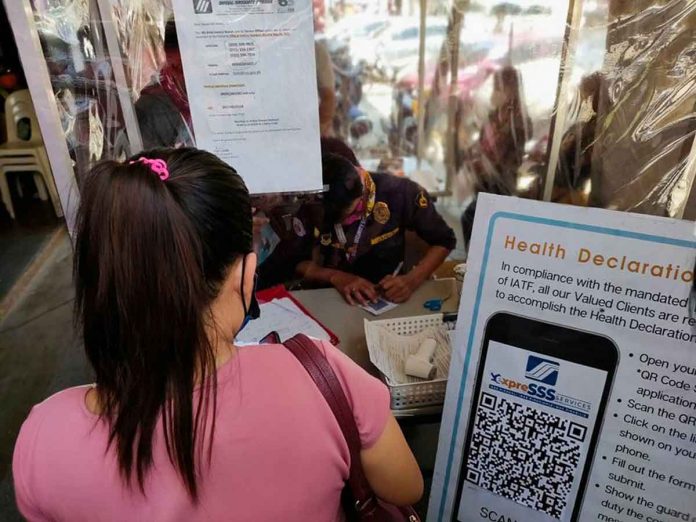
(524, 454)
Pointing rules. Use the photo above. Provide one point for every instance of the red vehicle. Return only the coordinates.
(403, 133)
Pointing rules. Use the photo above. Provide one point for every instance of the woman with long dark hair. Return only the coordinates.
(181, 424)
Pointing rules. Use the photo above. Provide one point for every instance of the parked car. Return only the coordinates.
(403, 120)
(398, 47)
(363, 40)
(356, 42)
(355, 28)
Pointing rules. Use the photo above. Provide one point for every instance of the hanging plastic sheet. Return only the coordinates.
(70, 32)
(622, 130)
(506, 85)
(502, 92)
(627, 88)
(632, 110)
(141, 29)
(146, 37)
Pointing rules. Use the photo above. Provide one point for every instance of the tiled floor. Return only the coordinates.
(38, 354)
(23, 237)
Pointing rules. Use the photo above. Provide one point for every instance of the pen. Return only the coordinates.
(396, 271)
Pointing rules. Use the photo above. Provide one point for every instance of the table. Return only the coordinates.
(346, 321)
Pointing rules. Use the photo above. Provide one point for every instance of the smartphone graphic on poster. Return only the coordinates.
(539, 401)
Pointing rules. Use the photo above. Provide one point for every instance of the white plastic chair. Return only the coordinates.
(20, 155)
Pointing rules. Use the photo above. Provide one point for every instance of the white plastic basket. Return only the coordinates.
(419, 393)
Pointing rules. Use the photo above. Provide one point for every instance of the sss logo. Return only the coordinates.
(202, 6)
(542, 370)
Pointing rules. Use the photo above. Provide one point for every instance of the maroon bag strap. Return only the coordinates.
(309, 355)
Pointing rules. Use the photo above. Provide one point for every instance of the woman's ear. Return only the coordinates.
(249, 275)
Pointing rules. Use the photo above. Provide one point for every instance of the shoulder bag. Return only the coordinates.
(360, 502)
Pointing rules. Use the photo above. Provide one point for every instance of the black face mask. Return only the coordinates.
(253, 311)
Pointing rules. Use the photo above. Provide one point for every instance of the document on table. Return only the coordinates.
(284, 317)
(251, 80)
(379, 307)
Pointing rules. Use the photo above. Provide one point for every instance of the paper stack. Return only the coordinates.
(284, 317)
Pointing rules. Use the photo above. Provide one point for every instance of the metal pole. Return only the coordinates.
(421, 83)
(21, 19)
(451, 136)
(558, 123)
(127, 108)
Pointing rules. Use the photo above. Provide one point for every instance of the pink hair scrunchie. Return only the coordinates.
(158, 166)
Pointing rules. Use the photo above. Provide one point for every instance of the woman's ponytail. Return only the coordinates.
(147, 266)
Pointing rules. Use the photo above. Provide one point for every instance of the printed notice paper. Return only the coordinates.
(572, 385)
(251, 82)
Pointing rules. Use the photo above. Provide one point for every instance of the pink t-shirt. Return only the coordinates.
(278, 452)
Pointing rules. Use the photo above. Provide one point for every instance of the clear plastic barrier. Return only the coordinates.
(592, 107)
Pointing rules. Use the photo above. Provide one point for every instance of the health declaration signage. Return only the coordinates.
(252, 87)
(572, 388)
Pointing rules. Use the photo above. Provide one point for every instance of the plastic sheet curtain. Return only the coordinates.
(588, 102)
(82, 80)
(631, 112)
(497, 103)
(626, 106)
(140, 27)
(148, 45)
(102, 56)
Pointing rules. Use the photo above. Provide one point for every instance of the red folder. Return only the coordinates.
(279, 292)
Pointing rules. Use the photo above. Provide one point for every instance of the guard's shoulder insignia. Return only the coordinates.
(381, 212)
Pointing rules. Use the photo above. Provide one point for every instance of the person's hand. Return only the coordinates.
(354, 289)
(398, 289)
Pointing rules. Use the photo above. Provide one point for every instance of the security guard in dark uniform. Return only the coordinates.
(297, 226)
(360, 244)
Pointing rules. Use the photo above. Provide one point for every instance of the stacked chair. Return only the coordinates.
(25, 155)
